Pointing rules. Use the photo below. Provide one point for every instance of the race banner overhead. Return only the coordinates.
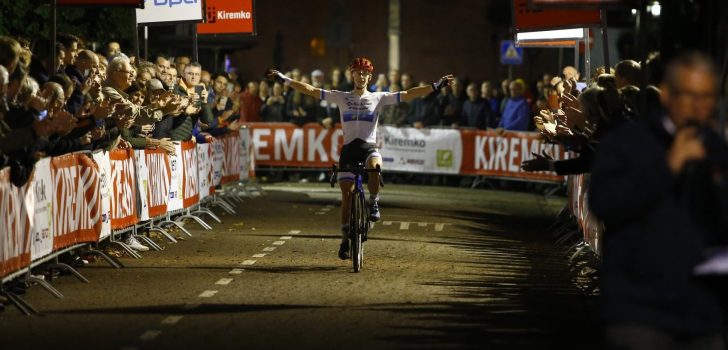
(527, 18)
(228, 17)
(128, 3)
(165, 11)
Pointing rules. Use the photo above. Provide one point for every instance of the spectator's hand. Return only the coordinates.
(539, 122)
(569, 100)
(574, 117)
(276, 76)
(226, 114)
(208, 138)
(203, 126)
(37, 102)
(538, 163)
(500, 131)
(444, 81)
(97, 133)
(687, 146)
(167, 145)
(235, 125)
(203, 95)
(418, 125)
(123, 144)
(191, 109)
(62, 122)
(86, 138)
(301, 112)
(455, 125)
(147, 128)
(102, 110)
(327, 123)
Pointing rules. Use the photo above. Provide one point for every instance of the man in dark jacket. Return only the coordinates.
(659, 185)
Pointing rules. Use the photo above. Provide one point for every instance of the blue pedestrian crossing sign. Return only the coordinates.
(510, 54)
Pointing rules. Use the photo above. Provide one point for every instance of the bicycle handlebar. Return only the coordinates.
(355, 170)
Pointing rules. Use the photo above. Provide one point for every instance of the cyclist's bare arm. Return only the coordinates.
(303, 88)
(421, 91)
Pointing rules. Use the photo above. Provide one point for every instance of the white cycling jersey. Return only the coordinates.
(360, 114)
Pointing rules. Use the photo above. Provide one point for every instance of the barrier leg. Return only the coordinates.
(196, 219)
(21, 304)
(578, 252)
(170, 222)
(45, 285)
(112, 261)
(209, 213)
(164, 233)
(68, 268)
(218, 202)
(148, 241)
(127, 249)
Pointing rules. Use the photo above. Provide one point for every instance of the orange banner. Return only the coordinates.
(14, 226)
(123, 192)
(285, 144)
(231, 165)
(77, 201)
(489, 154)
(227, 17)
(190, 188)
(159, 178)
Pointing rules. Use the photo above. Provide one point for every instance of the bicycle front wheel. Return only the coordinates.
(358, 225)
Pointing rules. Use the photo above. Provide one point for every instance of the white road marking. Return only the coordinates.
(149, 335)
(294, 232)
(421, 224)
(261, 255)
(269, 249)
(207, 294)
(286, 237)
(325, 209)
(439, 227)
(224, 281)
(236, 271)
(386, 223)
(248, 262)
(190, 306)
(129, 348)
(172, 319)
(279, 242)
(320, 212)
(404, 225)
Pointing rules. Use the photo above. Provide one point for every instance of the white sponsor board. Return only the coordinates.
(160, 11)
(142, 184)
(175, 184)
(39, 204)
(204, 169)
(102, 160)
(420, 150)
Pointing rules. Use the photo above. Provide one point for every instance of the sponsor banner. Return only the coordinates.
(245, 153)
(158, 177)
(142, 180)
(232, 166)
(227, 17)
(38, 200)
(102, 160)
(77, 200)
(218, 162)
(204, 168)
(174, 201)
(161, 11)
(130, 3)
(123, 189)
(190, 188)
(420, 150)
(14, 226)
(488, 153)
(286, 145)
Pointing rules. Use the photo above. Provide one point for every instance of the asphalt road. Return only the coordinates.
(446, 268)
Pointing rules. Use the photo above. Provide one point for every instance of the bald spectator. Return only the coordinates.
(516, 111)
(627, 72)
(85, 66)
(112, 49)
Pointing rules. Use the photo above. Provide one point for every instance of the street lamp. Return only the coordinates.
(655, 9)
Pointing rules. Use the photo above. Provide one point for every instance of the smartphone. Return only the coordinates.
(199, 88)
(42, 115)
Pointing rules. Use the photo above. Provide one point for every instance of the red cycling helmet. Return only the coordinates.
(361, 63)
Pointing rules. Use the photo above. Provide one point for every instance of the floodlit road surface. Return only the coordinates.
(446, 268)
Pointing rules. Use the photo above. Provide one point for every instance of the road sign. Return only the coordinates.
(510, 54)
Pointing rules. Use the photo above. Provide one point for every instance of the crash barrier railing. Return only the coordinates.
(75, 201)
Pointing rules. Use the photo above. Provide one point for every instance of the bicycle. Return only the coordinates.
(359, 223)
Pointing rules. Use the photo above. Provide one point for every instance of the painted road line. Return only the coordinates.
(172, 319)
(224, 281)
(236, 271)
(285, 237)
(129, 348)
(422, 224)
(149, 335)
(386, 223)
(439, 227)
(261, 255)
(279, 242)
(269, 249)
(404, 225)
(325, 209)
(295, 232)
(248, 262)
(207, 294)
(320, 213)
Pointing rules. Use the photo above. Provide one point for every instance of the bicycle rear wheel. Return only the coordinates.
(358, 224)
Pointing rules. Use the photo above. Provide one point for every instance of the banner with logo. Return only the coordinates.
(204, 168)
(436, 151)
(38, 201)
(142, 182)
(175, 181)
(164, 11)
(14, 226)
(286, 145)
(77, 200)
(102, 161)
(245, 158)
(190, 183)
(218, 162)
(123, 189)
(232, 165)
(489, 153)
(228, 17)
(159, 176)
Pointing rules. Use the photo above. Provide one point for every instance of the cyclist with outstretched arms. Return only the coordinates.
(359, 117)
